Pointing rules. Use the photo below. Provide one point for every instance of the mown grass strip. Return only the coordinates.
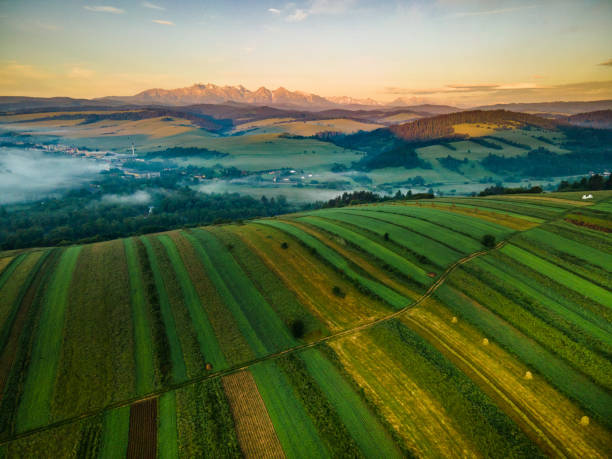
(590, 324)
(374, 249)
(115, 431)
(560, 275)
(231, 341)
(467, 225)
(10, 268)
(481, 422)
(383, 223)
(294, 428)
(167, 434)
(386, 294)
(274, 291)
(98, 325)
(15, 356)
(15, 291)
(209, 345)
(34, 408)
(573, 384)
(572, 247)
(258, 322)
(177, 371)
(363, 426)
(143, 340)
(460, 203)
(324, 416)
(419, 220)
(544, 325)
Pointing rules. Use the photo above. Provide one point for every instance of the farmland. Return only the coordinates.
(385, 330)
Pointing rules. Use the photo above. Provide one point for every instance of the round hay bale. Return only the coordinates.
(584, 421)
(485, 342)
(528, 375)
(454, 319)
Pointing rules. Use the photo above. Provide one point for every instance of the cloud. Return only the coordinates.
(319, 7)
(139, 197)
(607, 63)
(152, 6)
(80, 72)
(104, 9)
(273, 11)
(46, 26)
(162, 22)
(508, 92)
(330, 6)
(297, 16)
(491, 12)
(32, 174)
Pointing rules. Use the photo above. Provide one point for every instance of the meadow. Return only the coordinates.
(374, 330)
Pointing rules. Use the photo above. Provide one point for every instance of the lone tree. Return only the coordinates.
(488, 240)
(284, 245)
(386, 236)
(297, 328)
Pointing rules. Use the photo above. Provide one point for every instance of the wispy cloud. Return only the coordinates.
(104, 9)
(297, 16)
(46, 26)
(163, 22)
(274, 11)
(152, 6)
(80, 72)
(318, 7)
(491, 12)
(607, 63)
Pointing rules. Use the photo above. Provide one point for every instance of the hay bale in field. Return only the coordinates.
(584, 421)
(528, 375)
(454, 320)
(485, 342)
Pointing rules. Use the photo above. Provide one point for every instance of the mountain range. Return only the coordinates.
(284, 98)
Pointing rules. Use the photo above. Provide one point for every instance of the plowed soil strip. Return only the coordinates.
(142, 441)
(254, 428)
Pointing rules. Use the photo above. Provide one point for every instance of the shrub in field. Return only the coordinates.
(284, 245)
(338, 291)
(488, 240)
(297, 328)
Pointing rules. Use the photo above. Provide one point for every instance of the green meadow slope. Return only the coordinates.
(377, 330)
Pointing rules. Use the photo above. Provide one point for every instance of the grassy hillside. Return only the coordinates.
(379, 329)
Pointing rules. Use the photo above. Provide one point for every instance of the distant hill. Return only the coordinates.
(601, 119)
(19, 103)
(561, 108)
(442, 125)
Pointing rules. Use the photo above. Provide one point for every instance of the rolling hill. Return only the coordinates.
(375, 330)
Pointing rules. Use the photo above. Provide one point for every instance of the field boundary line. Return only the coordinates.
(246, 365)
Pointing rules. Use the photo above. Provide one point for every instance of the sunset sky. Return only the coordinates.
(446, 51)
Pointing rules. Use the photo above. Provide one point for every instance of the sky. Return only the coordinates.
(458, 52)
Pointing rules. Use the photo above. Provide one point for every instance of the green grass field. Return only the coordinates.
(367, 331)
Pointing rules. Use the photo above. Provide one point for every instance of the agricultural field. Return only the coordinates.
(454, 327)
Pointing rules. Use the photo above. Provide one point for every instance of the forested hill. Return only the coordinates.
(442, 125)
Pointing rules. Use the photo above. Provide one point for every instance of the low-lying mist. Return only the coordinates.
(27, 174)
